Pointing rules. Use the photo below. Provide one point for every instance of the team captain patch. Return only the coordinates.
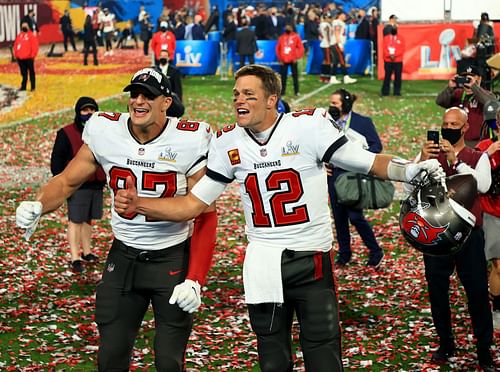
(234, 156)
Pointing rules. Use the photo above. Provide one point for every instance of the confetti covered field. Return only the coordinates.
(46, 311)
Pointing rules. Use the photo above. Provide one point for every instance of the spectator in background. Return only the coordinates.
(180, 28)
(374, 21)
(490, 204)
(89, 41)
(25, 51)
(469, 262)
(108, 30)
(246, 44)
(275, 24)
(31, 21)
(393, 50)
(469, 96)
(260, 23)
(96, 26)
(311, 27)
(67, 31)
(173, 74)
(213, 20)
(127, 34)
(229, 32)
(393, 23)
(337, 42)
(357, 128)
(188, 33)
(363, 28)
(289, 50)
(146, 28)
(142, 13)
(198, 30)
(326, 35)
(86, 204)
(163, 39)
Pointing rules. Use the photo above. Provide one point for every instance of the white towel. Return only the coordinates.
(262, 274)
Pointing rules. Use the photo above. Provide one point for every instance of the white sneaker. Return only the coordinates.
(349, 80)
(496, 319)
(333, 80)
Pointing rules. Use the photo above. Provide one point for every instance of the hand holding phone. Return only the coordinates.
(433, 135)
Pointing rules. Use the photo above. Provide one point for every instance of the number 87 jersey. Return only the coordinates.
(159, 168)
(282, 181)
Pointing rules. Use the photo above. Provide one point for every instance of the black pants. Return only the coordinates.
(249, 57)
(71, 37)
(27, 66)
(471, 267)
(390, 68)
(309, 291)
(295, 77)
(145, 47)
(342, 215)
(132, 279)
(86, 47)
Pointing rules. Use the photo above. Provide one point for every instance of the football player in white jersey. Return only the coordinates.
(150, 261)
(278, 160)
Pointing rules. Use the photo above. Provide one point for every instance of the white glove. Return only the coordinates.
(432, 166)
(27, 216)
(187, 295)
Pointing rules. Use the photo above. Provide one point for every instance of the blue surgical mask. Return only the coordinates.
(84, 118)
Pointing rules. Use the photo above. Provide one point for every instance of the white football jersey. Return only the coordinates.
(282, 182)
(158, 167)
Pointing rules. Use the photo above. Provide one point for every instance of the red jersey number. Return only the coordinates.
(150, 182)
(291, 194)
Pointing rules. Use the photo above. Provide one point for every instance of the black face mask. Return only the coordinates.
(451, 135)
(334, 112)
(163, 29)
(25, 29)
(394, 31)
(163, 61)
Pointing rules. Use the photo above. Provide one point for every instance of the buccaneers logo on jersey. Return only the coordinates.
(420, 229)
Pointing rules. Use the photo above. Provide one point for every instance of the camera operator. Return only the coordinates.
(464, 90)
(485, 47)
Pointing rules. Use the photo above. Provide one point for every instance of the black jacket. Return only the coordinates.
(246, 42)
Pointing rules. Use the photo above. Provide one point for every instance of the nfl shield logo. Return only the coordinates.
(141, 151)
(263, 152)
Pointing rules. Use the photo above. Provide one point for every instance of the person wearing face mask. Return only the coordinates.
(289, 50)
(25, 50)
(490, 203)
(469, 95)
(163, 39)
(357, 128)
(469, 263)
(393, 49)
(86, 204)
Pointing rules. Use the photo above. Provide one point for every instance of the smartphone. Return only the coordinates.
(433, 135)
(461, 80)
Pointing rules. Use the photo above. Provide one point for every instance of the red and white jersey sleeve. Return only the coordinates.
(283, 181)
(159, 168)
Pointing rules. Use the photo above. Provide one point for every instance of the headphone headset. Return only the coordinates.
(347, 100)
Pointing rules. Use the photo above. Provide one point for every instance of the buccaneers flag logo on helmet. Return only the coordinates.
(420, 229)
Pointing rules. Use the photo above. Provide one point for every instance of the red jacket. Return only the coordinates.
(393, 45)
(25, 45)
(161, 41)
(491, 203)
(289, 48)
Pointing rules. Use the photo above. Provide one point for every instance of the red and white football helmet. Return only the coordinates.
(434, 219)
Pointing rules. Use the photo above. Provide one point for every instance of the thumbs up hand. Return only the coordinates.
(125, 201)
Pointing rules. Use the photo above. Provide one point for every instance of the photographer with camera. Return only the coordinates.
(464, 90)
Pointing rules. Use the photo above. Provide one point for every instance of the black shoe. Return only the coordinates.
(343, 259)
(485, 360)
(441, 355)
(375, 259)
(76, 266)
(90, 257)
(22, 89)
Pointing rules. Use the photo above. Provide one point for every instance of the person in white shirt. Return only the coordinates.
(277, 159)
(337, 42)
